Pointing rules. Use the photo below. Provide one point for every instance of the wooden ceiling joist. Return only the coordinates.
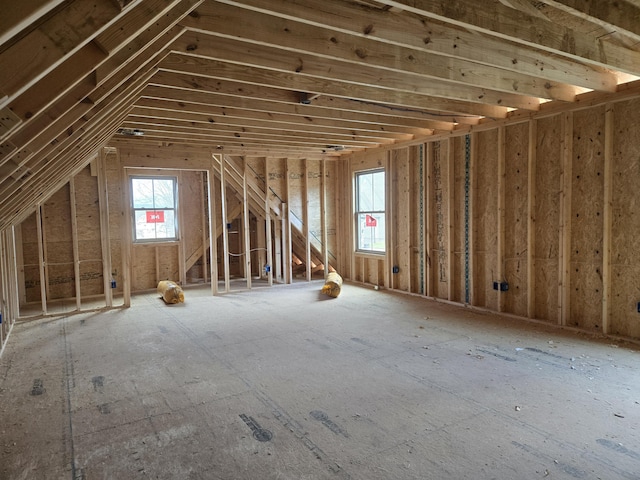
(295, 67)
(235, 32)
(140, 116)
(623, 15)
(199, 74)
(423, 33)
(326, 108)
(506, 23)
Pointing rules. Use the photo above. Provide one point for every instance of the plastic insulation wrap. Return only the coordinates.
(332, 285)
(170, 291)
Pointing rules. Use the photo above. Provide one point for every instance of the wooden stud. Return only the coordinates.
(225, 230)
(41, 259)
(283, 242)
(389, 219)
(157, 259)
(203, 218)
(531, 219)
(409, 211)
(428, 271)
(279, 242)
(105, 235)
(261, 249)
(305, 216)
(126, 234)
(74, 239)
(8, 268)
(472, 168)
(348, 222)
(267, 221)
(21, 288)
(213, 230)
(182, 254)
(3, 290)
(564, 275)
(14, 305)
(501, 230)
(450, 219)
(287, 253)
(323, 216)
(246, 228)
(607, 220)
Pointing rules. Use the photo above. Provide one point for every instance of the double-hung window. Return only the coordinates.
(369, 211)
(154, 202)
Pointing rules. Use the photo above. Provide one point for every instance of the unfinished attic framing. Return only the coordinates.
(510, 154)
(79, 245)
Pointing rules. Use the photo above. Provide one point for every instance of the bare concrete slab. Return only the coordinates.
(285, 383)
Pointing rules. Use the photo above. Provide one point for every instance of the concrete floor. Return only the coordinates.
(284, 383)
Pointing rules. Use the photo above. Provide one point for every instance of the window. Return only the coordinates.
(370, 207)
(154, 208)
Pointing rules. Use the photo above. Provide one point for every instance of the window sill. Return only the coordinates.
(156, 243)
(374, 255)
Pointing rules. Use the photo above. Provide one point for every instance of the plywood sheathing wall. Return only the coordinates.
(538, 215)
(416, 257)
(587, 214)
(58, 250)
(89, 241)
(457, 221)
(30, 262)
(191, 188)
(401, 217)
(439, 192)
(515, 217)
(486, 268)
(625, 248)
(547, 217)
(56, 224)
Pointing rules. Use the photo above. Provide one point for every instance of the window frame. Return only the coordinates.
(134, 209)
(357, 212)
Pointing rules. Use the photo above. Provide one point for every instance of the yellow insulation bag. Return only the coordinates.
(170, 291)
(332, 285)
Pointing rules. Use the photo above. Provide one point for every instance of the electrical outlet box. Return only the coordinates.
(267, 268)
(638, 307)
(396, 269)
(501, 286)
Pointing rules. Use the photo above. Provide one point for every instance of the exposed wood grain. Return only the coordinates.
(241, 25)
(624, 15)
(436, 37)
(507, 23)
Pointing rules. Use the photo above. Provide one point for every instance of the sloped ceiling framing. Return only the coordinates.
(287, 78)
